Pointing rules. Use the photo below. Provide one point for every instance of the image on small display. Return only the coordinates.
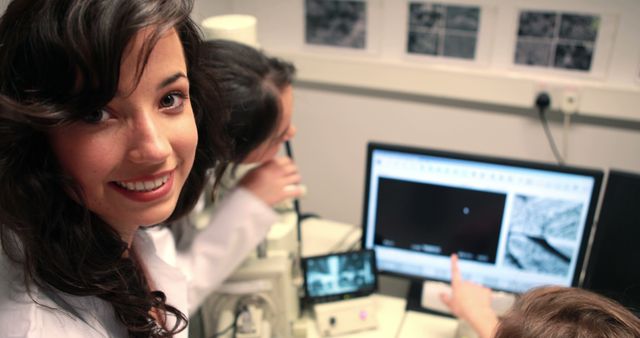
(340, 274)
(443, 30)
(542, 234)
(338, 23)
(557, 40)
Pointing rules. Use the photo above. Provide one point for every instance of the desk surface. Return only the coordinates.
(423, 325)
(394, 321)
(390, 312)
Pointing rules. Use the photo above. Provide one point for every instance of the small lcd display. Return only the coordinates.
(340, 276)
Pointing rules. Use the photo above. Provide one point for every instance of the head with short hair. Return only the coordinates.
(560, 312)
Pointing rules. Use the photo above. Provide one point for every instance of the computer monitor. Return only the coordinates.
(514, 224)
(612, 269)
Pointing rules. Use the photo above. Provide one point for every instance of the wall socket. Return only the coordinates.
(569, 102)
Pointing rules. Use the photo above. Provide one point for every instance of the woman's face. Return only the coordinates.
(285, 131)
(132, 159)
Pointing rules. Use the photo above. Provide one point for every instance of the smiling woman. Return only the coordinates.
(106, 134)
(134, 155)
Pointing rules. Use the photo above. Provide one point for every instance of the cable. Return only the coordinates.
(543, 101)
(354, 246)
(239, 305)
(296, 203)
(402, 320)
(225, 330)
(297, 272)
(552, 143)
(565, 135)
(217, 307)
(231, 327)
(338, 247)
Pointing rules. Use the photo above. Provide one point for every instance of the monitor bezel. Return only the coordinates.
(597, 175)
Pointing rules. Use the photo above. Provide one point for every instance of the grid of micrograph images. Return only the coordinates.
(560, 40)
(336, 23)
(544, 39)
(443, 30)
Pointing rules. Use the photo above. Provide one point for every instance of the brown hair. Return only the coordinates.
(251, 84)
(551, 312)
(60, 63)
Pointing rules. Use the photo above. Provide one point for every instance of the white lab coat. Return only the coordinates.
(240, 223)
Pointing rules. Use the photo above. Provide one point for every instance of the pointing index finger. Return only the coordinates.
(455, 270)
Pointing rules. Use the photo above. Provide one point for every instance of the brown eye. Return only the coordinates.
(97, 116)
(172, 100)
(167, 101)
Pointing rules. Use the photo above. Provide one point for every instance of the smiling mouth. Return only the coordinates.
(143, 186)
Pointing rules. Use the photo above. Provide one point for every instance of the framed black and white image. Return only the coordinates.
(336, 23)
(446, 30)
(457, 32)
(557, 40)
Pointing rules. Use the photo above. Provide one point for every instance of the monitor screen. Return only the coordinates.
(514, 224)
(339, 275)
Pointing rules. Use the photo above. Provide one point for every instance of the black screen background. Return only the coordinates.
(413, 213)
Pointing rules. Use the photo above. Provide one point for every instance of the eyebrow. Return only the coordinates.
(171, 79)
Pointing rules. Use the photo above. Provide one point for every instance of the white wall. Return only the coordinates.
(334, 122)
(205, 8)
(334, 128)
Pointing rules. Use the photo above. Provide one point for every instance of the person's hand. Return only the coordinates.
(273, 181)
(471, 302)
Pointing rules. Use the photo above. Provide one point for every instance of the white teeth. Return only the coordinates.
(160, 181)
(141, 186)
(148, 185)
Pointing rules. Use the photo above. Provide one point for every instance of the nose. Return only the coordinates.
(148, 142)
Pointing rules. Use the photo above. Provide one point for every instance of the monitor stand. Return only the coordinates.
(414, 300)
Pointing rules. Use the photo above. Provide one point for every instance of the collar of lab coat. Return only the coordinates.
(166, 278)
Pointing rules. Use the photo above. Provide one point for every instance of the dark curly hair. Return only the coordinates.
(59, 61)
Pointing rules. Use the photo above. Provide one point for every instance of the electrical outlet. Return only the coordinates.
(569, 102)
